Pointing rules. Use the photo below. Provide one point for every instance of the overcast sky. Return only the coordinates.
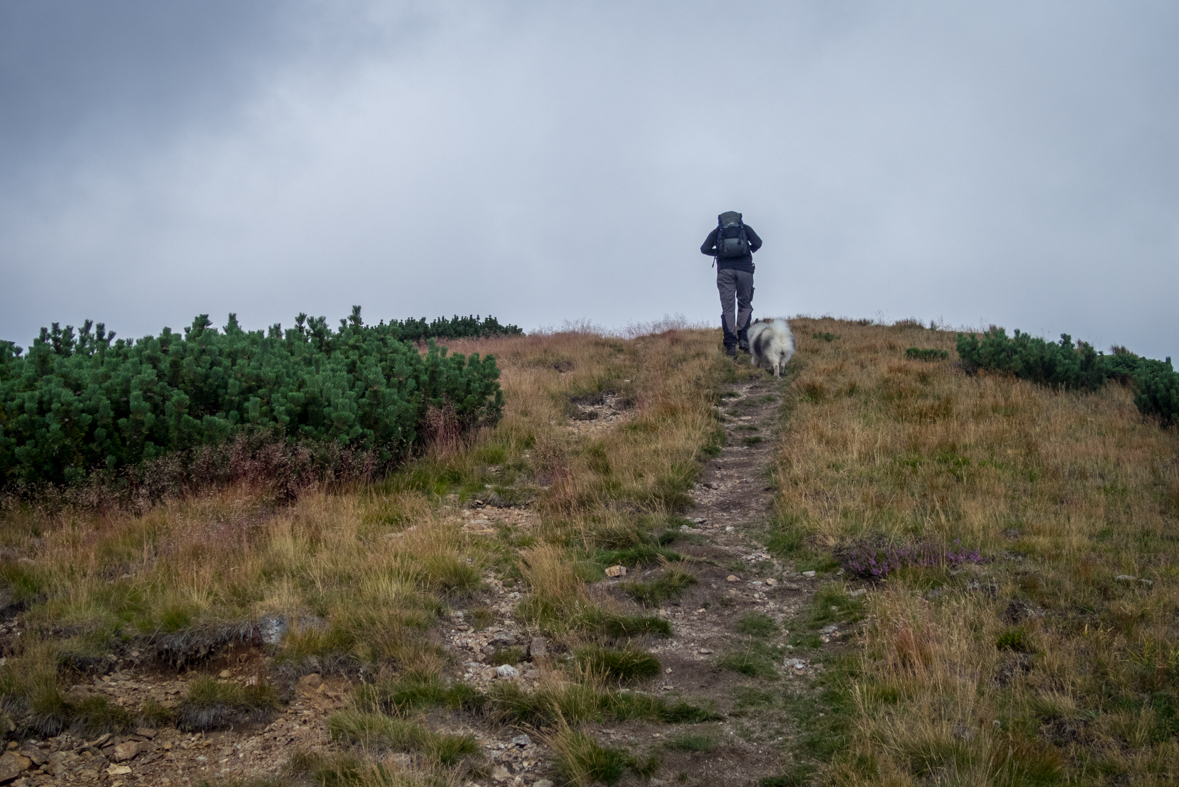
(1014, 163)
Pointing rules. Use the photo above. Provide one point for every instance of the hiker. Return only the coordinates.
(732, 243)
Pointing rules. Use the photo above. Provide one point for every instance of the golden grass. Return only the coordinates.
(1040, 665)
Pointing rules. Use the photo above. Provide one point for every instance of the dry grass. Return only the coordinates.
(1039, 665)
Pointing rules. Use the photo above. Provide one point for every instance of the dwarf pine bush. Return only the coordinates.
(926, 354)
(1156, 390)
(1079, 367)
(79, 402)
(1062, 365)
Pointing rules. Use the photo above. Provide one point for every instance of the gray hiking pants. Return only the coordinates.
(735, 284)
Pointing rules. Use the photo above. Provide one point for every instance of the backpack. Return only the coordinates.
(731, 240)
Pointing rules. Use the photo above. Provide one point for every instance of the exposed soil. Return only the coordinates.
(734, 575)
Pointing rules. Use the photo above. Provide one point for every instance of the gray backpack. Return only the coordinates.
(731, 240)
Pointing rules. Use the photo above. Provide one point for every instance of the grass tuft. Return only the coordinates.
(667, 587)
(415, 692)
(617, 666)
(375, 730)
(582, 761)
(211, 704)
(697, 742)
(757, 624)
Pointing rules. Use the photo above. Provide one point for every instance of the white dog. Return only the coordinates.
(771, 344)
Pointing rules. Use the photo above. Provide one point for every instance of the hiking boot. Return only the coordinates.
(743, 347)
(731, 352)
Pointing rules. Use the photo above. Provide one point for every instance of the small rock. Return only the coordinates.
(538, 648)
(12, 765)
(542, 783)
(668, 670)
(504, 639)
(118, 770)
(704, 651)
(97, 742)
(500, 774)
(829, 629)
(808, 573)
(796, 664)
(225, 674)
(521, 741)
(146, 732)
(311, 682)
(771, 582)
(271, 629)
(858, 593)
(732, 578)
(507, 671)
(126, 751)
(616, 571)
(1125, 578)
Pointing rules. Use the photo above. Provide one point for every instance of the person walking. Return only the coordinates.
(732, 243)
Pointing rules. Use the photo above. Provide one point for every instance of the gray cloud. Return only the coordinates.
(541, 162)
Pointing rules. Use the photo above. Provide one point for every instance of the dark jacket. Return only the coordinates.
(744, 263)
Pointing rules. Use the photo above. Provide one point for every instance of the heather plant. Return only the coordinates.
(80, 402)
(867, 560)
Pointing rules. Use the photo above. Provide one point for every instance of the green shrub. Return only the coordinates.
(454, 328)
(1156, 390)
(1015, 638)
(78, 403)
(926, 354)
(1063, 365)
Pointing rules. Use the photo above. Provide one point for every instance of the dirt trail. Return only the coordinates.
(735, 577)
